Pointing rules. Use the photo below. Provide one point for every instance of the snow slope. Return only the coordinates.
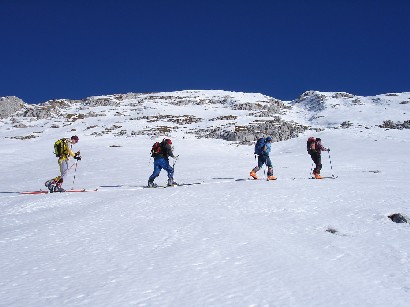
(292, 242)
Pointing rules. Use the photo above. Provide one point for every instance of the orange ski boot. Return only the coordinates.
(317, 176)
(253, 175)
(272, 178)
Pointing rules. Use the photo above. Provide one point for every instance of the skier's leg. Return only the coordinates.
(270, 169)
(157, 170)
(63, 168)
(261, 161)
(319, 163)
(253, 172)
(313, 155)
(256, 169)
(170, 171)
(63, 173)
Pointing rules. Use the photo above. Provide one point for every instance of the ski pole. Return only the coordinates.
(311, 170)
(66, 171)
(75, 171)
(331, 167)
(175, 161)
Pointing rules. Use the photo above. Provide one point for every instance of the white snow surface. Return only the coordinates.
(219, 243)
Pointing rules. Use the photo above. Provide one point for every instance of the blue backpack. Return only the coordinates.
(259, 146)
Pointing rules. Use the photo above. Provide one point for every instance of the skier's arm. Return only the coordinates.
(322, 148)
(169, 151)
(266, 150)
(70, 152)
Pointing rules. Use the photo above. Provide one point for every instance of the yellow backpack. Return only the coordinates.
(61, 148)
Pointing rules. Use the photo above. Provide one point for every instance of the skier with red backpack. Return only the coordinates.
(262, 150)
(161, 151)
(314, 148)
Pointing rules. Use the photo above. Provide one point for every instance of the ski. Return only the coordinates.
(172, 186)
(80, 190)
(325, 177)
(252, 179)
(157, 187)
(184, 184)
(121, 186)
(48, 192)
(33, 192)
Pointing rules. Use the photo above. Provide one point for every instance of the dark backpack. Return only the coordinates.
(259, 146)
(60, 148)
(311, 144)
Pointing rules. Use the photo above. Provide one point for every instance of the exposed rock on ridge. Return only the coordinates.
(10, 105)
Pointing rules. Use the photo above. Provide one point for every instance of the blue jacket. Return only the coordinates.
(267, 149)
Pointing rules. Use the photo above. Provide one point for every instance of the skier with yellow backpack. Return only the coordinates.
(62, 150)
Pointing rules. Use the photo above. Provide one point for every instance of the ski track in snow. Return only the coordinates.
(219, 243)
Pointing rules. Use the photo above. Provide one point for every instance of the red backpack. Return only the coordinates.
(158, 147)
(311, 144)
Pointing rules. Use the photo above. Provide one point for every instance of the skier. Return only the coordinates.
(315, 148)
(63, 151)
(161, 153)
(262, 150)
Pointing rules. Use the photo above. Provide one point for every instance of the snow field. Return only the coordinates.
(221, 243)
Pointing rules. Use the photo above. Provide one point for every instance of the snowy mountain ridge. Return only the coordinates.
(333, 109)
(232, 116)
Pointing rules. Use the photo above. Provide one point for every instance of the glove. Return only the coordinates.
(176, 157)
(328, 150)
(77, 156)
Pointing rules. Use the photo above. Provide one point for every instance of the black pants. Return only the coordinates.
(317, 159)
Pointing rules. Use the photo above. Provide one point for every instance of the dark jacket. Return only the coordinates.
(166, 151)
(318, 148)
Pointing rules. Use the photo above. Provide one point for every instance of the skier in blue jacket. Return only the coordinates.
(263, 158)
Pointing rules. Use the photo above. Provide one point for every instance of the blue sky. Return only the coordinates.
(75, 49)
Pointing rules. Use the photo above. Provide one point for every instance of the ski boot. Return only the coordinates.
(50, 185)
(58, 188)
(59, 185)
(151, 184)
(317, 175)
(271, 177)
(171, 182)
(253, 175)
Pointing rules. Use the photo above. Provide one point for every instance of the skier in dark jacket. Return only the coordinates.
(161, 161)
(315, 149)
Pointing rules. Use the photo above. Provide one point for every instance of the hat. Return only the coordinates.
(75, 138)
(168, 141)
(268, 139)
